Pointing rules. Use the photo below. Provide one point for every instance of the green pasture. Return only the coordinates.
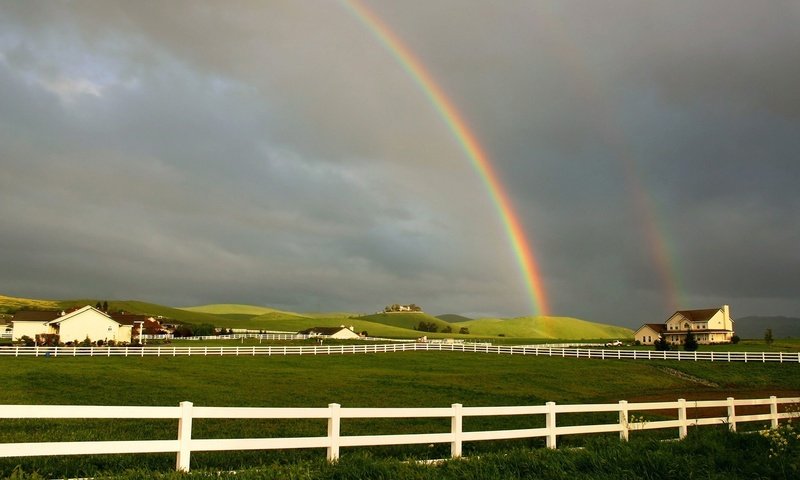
(411, 379)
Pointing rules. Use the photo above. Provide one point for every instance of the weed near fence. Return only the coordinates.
(714, 454)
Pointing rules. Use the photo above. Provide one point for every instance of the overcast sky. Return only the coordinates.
(276, 153)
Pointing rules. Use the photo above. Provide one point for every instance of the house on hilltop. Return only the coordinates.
(402, 308)
(87, 322)
(713, 325)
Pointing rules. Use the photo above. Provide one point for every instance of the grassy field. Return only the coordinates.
(381, 380)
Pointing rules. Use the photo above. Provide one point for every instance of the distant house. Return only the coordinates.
(151, 324)
(712, 325)
(395, 308)
(87, 322)
(340, 332)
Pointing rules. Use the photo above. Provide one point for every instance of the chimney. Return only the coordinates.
(726, 315)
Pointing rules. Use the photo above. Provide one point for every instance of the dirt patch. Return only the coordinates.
(687, 377)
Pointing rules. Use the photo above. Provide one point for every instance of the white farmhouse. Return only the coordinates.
(86, 322)
(713, 325)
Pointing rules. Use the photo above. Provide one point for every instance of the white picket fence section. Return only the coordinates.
(186, 412)
(536, 350)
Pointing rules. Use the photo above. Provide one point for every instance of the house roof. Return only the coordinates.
(36, 315)
(323, 330)
(76, 313)
(656, 327)
(699, 315)
(130, 319)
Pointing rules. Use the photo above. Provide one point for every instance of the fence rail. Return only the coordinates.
(536, 350)
(774, 410)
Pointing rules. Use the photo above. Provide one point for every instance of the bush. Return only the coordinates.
(464, 331)
(661, 344)
(690, 345)
(735, 339)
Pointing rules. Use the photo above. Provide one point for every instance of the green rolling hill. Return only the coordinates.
(231, 309)
(544, 327)
(453, 318)
(401, 325)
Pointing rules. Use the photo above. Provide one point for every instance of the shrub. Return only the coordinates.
(661, 344)
(464, 331)
(690, 345)
(735, 339)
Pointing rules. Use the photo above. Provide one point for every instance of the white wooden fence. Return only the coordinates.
(538, 350)
(184, 444)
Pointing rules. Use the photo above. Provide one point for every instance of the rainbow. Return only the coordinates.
(520, 244)
(654, 232)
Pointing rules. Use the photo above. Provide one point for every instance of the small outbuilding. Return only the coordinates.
(341, 332)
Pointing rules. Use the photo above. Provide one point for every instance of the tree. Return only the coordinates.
(768, 336)
(105, 306)
(735, 339)
(183, 331)
(204, 330)
(661, 344)
(447, 329)
(690, 345)
(424, 326)
(464, 331)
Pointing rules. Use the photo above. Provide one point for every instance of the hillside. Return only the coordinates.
(12, 304)
(754, 327)
(231, 309)
(401, 325)
(453, 318)
(544, 327)
(407, 320)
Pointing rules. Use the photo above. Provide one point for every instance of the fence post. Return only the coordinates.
(682, 428)
(456, 427)
(334, 428)
(773, 410)
(731, 415)
(550, 424)
(184, 437)
(623, 420)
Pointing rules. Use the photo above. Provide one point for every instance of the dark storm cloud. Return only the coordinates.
(275, 153)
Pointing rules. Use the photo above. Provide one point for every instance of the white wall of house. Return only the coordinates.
(30, 329)
(91, 323)
(646, 335)
(78, 325)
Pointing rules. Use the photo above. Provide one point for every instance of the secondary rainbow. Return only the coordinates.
(469, 143)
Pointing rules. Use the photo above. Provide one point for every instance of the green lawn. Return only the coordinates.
(420, 379)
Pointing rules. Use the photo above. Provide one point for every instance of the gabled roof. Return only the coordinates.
(656, 327)
(699, 315)
(130, 319)
(323, 330)
(36, 315)
(76, 313)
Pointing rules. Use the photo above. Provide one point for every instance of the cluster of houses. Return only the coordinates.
(708, 326)
(396, 307)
